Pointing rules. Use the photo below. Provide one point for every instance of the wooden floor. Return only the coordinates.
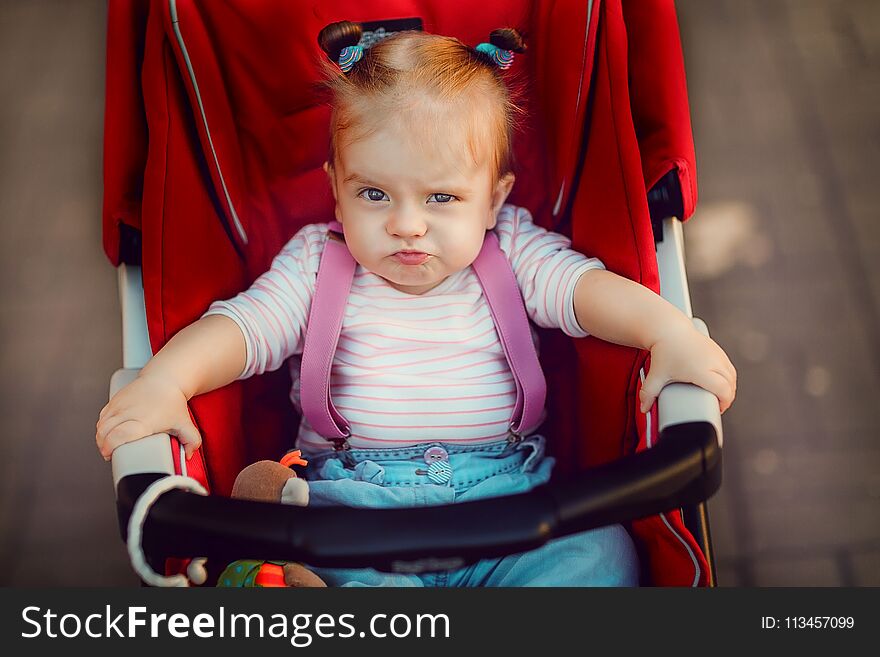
(783, 255)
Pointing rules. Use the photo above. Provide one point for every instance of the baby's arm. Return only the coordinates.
(619, 310)
(206, 355)
(252, 333)
(562, 287)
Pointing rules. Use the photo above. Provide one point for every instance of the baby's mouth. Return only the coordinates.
(411, 257)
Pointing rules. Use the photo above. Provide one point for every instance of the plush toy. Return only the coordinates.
(270, 481)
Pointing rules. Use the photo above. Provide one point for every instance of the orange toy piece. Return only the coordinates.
(293, 458)
(271, 575)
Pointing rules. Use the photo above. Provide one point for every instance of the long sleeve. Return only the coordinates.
(546, 268)
(272, 313)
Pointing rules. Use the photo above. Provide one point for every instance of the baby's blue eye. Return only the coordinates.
(441, 198)
(373, 194)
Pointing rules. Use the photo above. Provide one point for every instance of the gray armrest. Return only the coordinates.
(680, 403)
(151, 454)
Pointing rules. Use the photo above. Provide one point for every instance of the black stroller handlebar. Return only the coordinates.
(683, 468)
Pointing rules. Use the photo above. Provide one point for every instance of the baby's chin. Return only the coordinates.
(413, 279)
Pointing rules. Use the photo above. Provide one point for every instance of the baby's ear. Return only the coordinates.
(328, 169)
(331, 176)
(502, 191)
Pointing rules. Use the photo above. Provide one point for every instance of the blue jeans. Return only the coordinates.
(441, 473)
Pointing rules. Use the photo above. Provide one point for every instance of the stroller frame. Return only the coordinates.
(687, 457)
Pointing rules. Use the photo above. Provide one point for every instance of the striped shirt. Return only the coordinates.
(410, 368)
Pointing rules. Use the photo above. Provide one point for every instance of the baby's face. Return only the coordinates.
(411, 218)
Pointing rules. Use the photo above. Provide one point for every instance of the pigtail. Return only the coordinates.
(335, 37)
(498, 52)
(508, 38)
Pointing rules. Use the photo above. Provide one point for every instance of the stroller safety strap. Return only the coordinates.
(508, 311)
(335, 274)
(496, 277)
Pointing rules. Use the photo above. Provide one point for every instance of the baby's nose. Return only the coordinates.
(406, 222)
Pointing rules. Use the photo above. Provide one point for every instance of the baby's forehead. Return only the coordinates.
(395, 156)
(449, 142)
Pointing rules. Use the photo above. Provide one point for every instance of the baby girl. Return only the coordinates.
(427, 403)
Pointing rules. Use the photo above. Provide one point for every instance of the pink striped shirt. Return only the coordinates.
(410, 368)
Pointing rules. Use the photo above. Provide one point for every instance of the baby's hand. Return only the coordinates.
(147, 405)
(684, 354)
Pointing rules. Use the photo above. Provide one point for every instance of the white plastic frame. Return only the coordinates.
(154, 453)
(680, 403)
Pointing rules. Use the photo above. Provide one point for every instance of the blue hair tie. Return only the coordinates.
(503, 58)
(349, 56)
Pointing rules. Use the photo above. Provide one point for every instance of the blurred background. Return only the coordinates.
(783, 258)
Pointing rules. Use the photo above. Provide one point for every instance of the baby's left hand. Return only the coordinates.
(684, 354)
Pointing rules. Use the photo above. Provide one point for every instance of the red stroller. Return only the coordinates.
(214, 143)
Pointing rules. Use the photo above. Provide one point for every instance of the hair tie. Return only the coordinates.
(349, 56)
(503, 58)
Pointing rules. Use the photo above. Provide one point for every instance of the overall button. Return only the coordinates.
(436, 453)
(439, 471)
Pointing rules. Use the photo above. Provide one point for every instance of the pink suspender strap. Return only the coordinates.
(506, 304)
(332, 288)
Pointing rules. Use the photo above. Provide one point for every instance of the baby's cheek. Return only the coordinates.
(454, 256)
(467, 246)
(361, 245)
(361, 256)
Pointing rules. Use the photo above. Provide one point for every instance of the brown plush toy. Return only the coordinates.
(271, 481)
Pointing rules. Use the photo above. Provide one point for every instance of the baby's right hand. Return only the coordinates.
(148, 405)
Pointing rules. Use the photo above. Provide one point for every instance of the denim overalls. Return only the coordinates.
(403, 477)
(438, 473)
